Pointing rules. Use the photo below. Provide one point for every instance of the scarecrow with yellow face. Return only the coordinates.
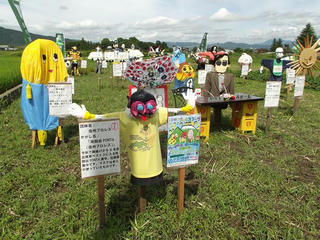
(41, 63)
(75, 55)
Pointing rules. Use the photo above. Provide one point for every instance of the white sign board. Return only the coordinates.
(83, 63)
(99, 147)
(272, 94)
(124, 66)
(291, 75)
(208, 67)
(123, 55)
(104, 64)
(299, 86)
(60, 98)
(202, 74)
(244, 69)
(117, 69)
(71, 80)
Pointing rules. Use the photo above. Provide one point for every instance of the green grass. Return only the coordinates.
(244, 187)
(10, 75)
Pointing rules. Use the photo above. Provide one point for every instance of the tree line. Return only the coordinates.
(105, 42)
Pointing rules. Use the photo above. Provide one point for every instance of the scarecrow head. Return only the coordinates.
(142, 104)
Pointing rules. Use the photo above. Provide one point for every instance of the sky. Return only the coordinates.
(246, 21)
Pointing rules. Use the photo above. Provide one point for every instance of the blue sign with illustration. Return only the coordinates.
(183, 140)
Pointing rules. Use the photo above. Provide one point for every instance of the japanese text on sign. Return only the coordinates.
(99, 147)
(272, 94)
(299, 86)
(117, 69)
(60, 97)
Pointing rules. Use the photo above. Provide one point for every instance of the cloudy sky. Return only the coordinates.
(248, 21)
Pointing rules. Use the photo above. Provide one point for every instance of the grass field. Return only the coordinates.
(244, 187)
(10, 75)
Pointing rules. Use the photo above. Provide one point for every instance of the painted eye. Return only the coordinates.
(55, 57)
(149, 107)
(139, 107)
(44, 58)
(184, 69)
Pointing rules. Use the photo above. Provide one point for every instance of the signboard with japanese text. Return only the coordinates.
(104, 64)
(202, 74)
(299, 86)
(71, 80)
(183, 140)
(117, 69)
(208, 67)
(272, 94)
(60, 98)
(99, 147)
(291, 75)
(83, 63)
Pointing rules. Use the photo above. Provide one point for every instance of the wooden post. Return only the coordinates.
(296, 104)
(110, 74)
(34, 135)
(267, 120)
(142, 201)
(102, 213)
(182, 172)
(99, 81)
(243, 79)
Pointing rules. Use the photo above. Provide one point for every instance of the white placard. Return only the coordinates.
(83, 63)
(123, 55)
(104, 64)
(272, 94)
(99, 147)
(202, 74)
(208, 67)
(124, 66)
(291, 75)
(71, 80)
(299, 86)
(244, 69)
(117, 69)
(60, 97)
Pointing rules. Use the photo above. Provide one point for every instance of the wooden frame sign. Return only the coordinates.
(99, 147)
(60, 98)
(117, 69)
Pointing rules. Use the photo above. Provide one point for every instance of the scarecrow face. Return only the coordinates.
(185, 71)
(42, 62)
(222, 64)
(142, 105)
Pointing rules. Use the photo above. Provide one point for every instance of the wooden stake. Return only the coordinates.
(102, 213)
(267, 120)
(244, 79)
(182, 172)
(99, 81)
(217, 115)
(296, 104)
(34, 135)
(142, 201)
(110, 75)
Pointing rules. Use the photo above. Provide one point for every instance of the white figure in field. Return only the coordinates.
(245, 61)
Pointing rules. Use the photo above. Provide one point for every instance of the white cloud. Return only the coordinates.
(223, 15)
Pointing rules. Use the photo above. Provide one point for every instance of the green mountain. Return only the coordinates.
(14, 38)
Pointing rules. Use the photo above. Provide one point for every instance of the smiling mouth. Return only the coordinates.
(50, 70)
